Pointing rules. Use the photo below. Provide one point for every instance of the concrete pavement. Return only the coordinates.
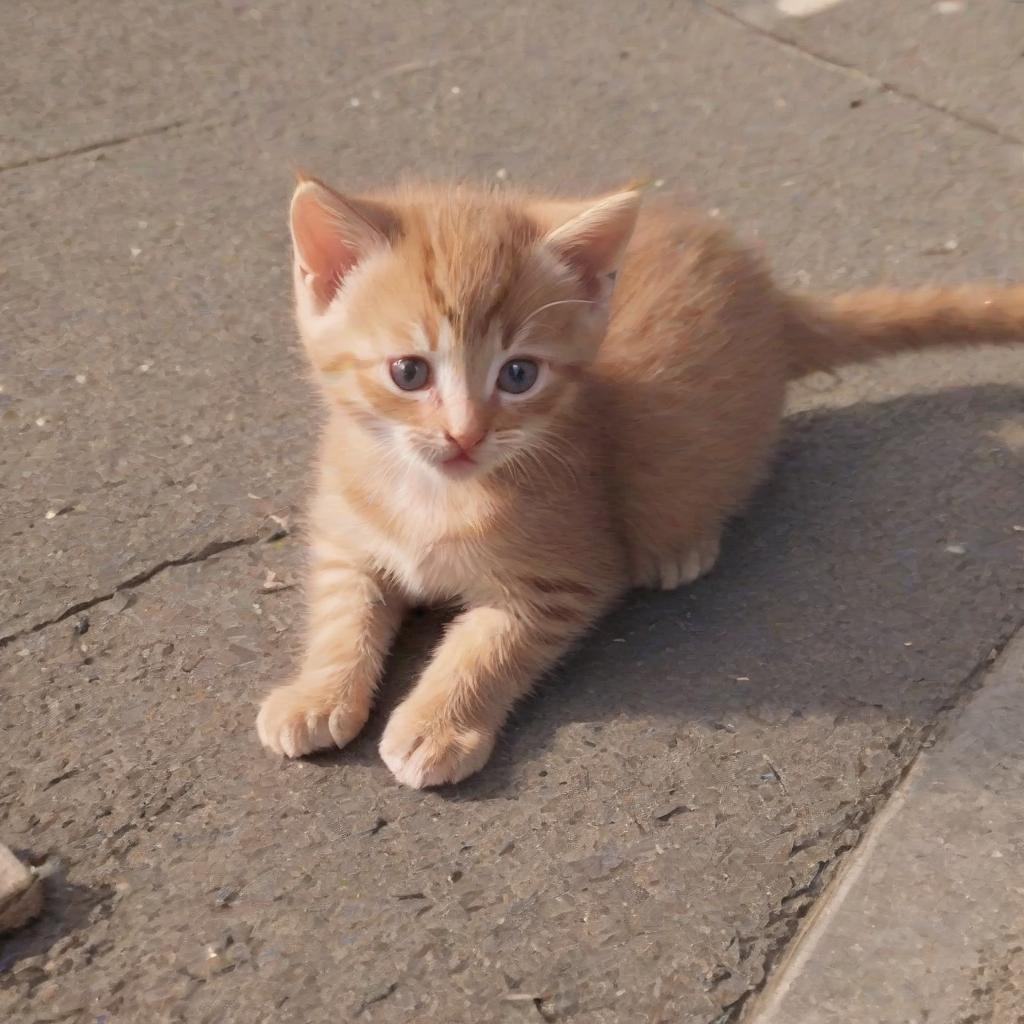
(928, 914)
(671, 806)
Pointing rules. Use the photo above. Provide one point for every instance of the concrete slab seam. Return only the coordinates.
(879, 84)
(398, 70)
(840, 871)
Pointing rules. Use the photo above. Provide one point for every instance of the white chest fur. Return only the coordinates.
(425, 542)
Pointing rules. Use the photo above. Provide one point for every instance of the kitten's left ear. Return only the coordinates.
(332, 233)
(592, 237)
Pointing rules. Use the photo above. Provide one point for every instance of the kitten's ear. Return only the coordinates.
(592, 237)
(332, 233)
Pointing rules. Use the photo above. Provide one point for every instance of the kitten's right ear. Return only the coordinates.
(332, 233)
(591, 237)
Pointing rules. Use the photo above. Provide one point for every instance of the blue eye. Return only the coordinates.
(518, 376)
(410, 373)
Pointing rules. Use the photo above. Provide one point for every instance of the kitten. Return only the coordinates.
(534, 405)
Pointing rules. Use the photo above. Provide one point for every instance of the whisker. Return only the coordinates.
(551, 305)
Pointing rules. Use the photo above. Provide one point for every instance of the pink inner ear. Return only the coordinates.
(320, 246)
(592, 254)
(588, 268)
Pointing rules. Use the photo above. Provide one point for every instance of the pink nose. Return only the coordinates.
(467, 439)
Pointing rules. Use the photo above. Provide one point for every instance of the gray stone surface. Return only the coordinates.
(666, 809)
(960, 56)
(935, 889)
(170, 254)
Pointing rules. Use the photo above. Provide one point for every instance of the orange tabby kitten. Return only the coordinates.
(534, 405)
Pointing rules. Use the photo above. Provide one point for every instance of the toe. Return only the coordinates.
(422, 752)
(709, 555)
(295, 721)
(689, 568)
(345, 723)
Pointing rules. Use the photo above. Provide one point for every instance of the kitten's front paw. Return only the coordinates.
(297, 719)
(422, 749)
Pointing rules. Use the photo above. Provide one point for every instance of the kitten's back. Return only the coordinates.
(691, 377)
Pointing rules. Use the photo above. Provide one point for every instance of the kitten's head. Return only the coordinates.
(453, 325)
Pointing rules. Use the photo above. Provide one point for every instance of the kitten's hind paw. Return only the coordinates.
(668, 570)
(297, 719)
(422, 750)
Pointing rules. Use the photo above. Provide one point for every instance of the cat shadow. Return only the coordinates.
(844, 586)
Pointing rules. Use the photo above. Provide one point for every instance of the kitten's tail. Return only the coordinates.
(854, 328)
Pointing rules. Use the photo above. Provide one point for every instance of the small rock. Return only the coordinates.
(715, 976)
(21, 892)
(215, 963)
(283, 527)
(943, 249)
(224, 896)
(272, 582)
(667, 812)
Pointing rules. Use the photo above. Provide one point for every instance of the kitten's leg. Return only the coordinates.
(490, 656)
(353, 620)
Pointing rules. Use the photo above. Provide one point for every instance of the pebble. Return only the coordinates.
(21, 892)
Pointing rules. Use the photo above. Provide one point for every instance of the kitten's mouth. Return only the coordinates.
(460, 463)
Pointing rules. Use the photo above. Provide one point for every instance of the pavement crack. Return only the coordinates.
(378, 997)
(401, 70)
(881, 85)
(92, 147)
(205, 552)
